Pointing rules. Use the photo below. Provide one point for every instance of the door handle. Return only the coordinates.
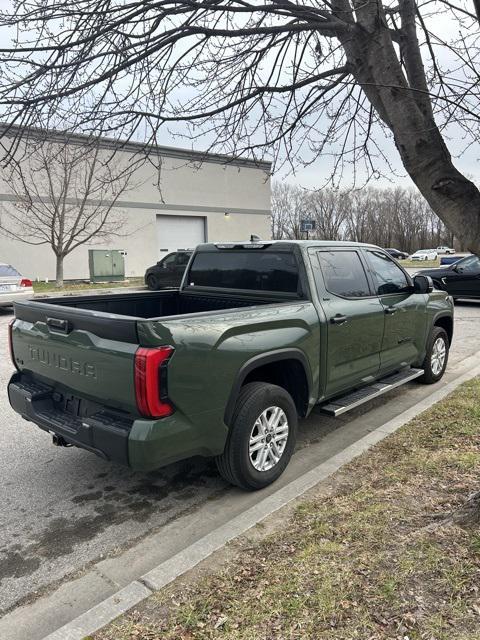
(391, 310)
(62, 326)
(338, 319)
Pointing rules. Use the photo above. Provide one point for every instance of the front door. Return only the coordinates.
(180, 266)
(404, 312)
(355, 320)
(464, 278)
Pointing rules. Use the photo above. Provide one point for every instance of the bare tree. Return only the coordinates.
(334, 77)
(288, 207)
(387, 217)
(329, 210)
(65, 195)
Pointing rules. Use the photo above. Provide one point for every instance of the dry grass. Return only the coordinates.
(420, 264)
(50, 287)
(375, 560)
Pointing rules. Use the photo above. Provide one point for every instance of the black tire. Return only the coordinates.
(430, 376)
(152, 282)
(235, 463)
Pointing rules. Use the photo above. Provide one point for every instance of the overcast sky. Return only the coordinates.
(316, 174)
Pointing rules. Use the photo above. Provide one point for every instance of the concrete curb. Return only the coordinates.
(103, 613)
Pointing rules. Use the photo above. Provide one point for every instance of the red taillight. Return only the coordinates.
(25, 282)
(151, 381)
(10, 342)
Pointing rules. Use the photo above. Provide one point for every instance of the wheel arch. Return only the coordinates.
(293, 375)
(445, 322)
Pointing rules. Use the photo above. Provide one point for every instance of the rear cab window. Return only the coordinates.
(248, 270)
(7, 271)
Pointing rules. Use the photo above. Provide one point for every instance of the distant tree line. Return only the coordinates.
(394, 217)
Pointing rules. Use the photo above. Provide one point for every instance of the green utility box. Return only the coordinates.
(106, 266)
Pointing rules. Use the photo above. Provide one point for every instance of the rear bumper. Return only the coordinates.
(103, 433)
(141, 444)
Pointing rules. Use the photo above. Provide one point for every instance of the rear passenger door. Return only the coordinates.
(355, 320)
(404, 311)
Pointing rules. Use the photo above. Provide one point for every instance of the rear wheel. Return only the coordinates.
(262, 437)
(436, 358)
(152, 282)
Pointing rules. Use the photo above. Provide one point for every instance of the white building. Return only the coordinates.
(203, 197)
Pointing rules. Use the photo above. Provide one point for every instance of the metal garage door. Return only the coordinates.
(179, 232)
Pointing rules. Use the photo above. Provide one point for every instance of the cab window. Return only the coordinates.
(387, 276)
(250, 270)
(182, 259)
(344, 274)
(470, 264)
(169, 261)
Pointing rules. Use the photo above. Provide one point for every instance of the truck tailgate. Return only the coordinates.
(64, 353)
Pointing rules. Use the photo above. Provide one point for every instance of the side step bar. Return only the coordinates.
(356, 398)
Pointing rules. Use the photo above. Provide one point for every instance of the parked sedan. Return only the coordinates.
(13, 286)
(460, 280)
(398, 255)
(168, 272)
(424, 254)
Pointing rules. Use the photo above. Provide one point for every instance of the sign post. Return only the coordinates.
(306, 226)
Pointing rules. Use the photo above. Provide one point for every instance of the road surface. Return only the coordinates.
(65, 509)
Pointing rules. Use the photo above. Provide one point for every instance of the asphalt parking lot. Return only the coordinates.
(65, 509)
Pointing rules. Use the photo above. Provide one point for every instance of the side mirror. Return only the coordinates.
(422, 284)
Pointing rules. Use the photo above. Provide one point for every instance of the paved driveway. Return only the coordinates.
(64, 509)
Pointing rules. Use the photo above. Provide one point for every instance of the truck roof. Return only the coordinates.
(285, 244)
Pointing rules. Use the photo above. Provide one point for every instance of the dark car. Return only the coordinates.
(168, 272)
(398, 255)
(460, 280)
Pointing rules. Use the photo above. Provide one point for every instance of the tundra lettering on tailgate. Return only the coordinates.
(58, 361)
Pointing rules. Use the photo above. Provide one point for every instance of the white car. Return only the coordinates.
(13, 286)
(443, 250)
(424, 254)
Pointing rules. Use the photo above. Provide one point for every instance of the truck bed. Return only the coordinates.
(156, 304)
(115, 316)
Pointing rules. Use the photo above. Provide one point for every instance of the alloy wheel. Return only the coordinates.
(439, 353)
(268, 438)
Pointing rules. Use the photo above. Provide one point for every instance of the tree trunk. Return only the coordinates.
(424, 154)
(59, 272)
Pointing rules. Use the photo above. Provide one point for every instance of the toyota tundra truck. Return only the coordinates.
(257, 335)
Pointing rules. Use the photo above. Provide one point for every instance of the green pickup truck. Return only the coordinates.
(256, 336)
